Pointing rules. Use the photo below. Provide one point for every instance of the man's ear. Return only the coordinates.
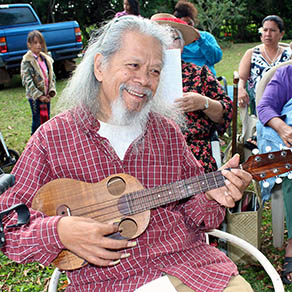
(98, 67)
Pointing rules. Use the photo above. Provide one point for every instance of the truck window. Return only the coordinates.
(16, 15)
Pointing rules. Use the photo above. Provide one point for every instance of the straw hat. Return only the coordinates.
(189, 33)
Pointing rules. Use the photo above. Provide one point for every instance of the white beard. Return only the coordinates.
(124, 126)
(122, 116)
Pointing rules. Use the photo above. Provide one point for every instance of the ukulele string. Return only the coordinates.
(139, 200)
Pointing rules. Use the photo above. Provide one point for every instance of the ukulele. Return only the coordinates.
(121, 199)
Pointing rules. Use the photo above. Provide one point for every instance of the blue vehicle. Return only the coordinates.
(63, 40)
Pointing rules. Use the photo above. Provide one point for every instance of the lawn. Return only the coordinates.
(15, 117)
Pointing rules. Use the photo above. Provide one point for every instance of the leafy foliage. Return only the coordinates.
(240, 18)
(219, 15)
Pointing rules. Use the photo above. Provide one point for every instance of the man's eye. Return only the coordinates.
(133, 65)
(155, 72)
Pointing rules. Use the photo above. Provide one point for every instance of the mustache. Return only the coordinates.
(141, 90)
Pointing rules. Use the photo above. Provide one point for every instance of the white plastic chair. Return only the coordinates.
(250, 249)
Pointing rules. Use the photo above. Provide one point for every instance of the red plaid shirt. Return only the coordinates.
(69, 146)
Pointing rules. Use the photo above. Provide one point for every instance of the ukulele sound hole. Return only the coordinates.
(63, 210)
(128, 227)
(116, 186)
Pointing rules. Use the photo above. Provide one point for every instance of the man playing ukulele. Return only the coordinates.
(116, 122)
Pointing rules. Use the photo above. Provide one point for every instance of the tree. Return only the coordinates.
(217, 15)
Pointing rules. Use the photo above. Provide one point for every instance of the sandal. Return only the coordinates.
(251, 143)
(287, 269)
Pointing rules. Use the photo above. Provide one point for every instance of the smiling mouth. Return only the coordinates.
(140, 95)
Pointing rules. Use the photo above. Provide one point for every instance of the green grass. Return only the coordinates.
(15, 117)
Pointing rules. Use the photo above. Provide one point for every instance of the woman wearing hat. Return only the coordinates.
(206, 106)
(205, 50)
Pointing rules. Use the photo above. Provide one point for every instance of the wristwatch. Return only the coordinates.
(206, 103)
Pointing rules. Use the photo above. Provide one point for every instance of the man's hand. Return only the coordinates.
(236, 182)
(87, 238)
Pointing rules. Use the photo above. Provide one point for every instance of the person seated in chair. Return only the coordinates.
(275, 111)
(115, 123)
(205, 104)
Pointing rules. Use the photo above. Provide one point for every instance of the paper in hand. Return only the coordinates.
(170, 86)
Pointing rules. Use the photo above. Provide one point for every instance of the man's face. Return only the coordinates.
(135, 68)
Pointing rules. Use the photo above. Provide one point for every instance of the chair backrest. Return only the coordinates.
(266, 78)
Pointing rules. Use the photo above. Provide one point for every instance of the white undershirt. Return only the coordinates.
(120, 137)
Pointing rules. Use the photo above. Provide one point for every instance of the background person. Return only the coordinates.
(205, 104)
(38, 78)
(116, 124)
(258, 60)
(205, 49)
(130, 7)
(275, 111)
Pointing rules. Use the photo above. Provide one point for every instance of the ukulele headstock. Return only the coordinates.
(263, 166)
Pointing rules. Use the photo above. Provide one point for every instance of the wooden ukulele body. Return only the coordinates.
(99, 201)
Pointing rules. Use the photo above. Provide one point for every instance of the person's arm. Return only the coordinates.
(219, 104)
(209, 48)
(244, 73)
(276, 94)
(283, 130)
(192, 101)
(207, 210)
(52, 78)
(46, 236)
(26, 74)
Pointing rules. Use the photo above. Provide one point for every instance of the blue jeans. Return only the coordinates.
(35, 109)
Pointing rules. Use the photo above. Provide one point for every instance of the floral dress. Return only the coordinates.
(200, 127)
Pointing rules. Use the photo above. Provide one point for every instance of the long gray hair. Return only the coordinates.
(83, 87)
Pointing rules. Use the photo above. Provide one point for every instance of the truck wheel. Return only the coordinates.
(1, 86)
(64, 69)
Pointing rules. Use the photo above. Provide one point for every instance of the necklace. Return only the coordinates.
(275, 57)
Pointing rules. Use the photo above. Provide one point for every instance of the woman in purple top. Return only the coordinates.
(130, 7)
(277, 93)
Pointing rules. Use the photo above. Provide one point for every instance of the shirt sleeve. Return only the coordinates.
(199, 212)
(210, 48)
(275, 96)
(38, 240)
(26, 73)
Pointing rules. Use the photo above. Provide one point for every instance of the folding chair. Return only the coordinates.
(250, 249)
(277, 194)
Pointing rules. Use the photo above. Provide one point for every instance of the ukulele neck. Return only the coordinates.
(136, 202)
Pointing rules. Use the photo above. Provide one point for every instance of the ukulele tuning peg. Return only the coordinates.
(266, 184)
(290, 175)
(268, 148)
(255, 151)
(278, 180)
